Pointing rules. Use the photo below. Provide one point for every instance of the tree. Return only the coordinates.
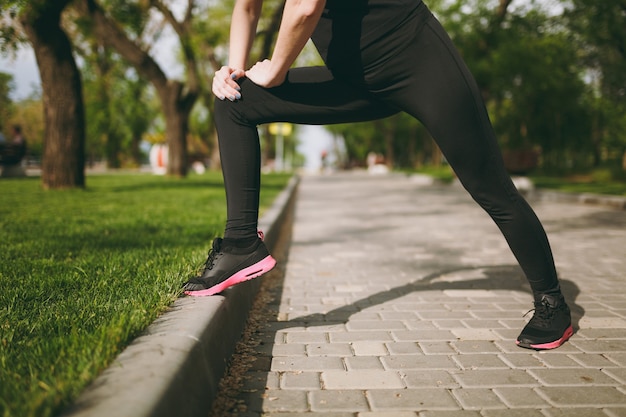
(600, 33)
(63, 164)
(177, 97)
(63, 156)
(527, 69)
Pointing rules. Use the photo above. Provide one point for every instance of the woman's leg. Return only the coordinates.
(309, 96)
(439, 90)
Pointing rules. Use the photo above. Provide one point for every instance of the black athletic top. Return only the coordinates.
(357, 33)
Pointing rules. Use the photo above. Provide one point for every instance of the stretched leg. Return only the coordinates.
(440, 92)
(309, 96)
(438, 89)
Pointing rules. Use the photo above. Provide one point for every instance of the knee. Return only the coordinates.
(496, 195)
(226, 111)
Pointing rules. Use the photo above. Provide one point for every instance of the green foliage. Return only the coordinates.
(11, 36)
(28, 113)
(598, 181)
(133, 15)
(118, 107)
(83, 272)
(6, 86)
(600, 29)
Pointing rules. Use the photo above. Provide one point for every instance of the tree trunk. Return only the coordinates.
(176, 128)
(63, 161)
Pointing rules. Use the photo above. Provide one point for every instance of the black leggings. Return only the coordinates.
(429, 81)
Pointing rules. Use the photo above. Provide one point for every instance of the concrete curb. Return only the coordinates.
(175, 367)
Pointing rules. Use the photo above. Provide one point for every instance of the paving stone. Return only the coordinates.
(494, 378)
(449, 324)
(338, 400)
(306, 337)
(584, 396)
(436, 348)
(363, 363)
(423, 362)
(591, 360)
(474, 346)
(476, 334)
(307, 414)
(557, 360)
(450, 413)
(521, 360)
(361, 379)
(402, 348)
(512, 413)
(279, 401)
(520, 397)
(411, 400)
(576, 412)
(284, 363)
(421, 335)
(615, 412)
(618, 374)
(375, 325)
(419, 324)
(617, 332)
(300, 380)
(483, 324)
(355, 336)
(443, 315)
(477, 398)
(291, 349)
(479, 361)
(363, 348)
(328, 349)
(573, 377)
(619, 358)
(430, 379)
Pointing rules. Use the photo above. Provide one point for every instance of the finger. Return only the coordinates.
(237, 74)
(225, 88)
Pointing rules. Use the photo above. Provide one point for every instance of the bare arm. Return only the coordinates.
(243, 26)
(300, 18)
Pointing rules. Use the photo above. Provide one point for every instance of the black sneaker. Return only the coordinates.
(229, 265)
(550, 326)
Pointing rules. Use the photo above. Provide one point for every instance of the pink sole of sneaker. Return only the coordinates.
(246, 274)
(552, 345)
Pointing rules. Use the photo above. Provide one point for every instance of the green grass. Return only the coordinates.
(581, 185)
(83, 272)
(442, 173)
(598, 182)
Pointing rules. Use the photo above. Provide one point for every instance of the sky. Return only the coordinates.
(24, 71)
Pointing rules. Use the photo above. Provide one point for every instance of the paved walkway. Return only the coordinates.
(402, 299)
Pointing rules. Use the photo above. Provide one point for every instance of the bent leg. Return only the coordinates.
(309, 96)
